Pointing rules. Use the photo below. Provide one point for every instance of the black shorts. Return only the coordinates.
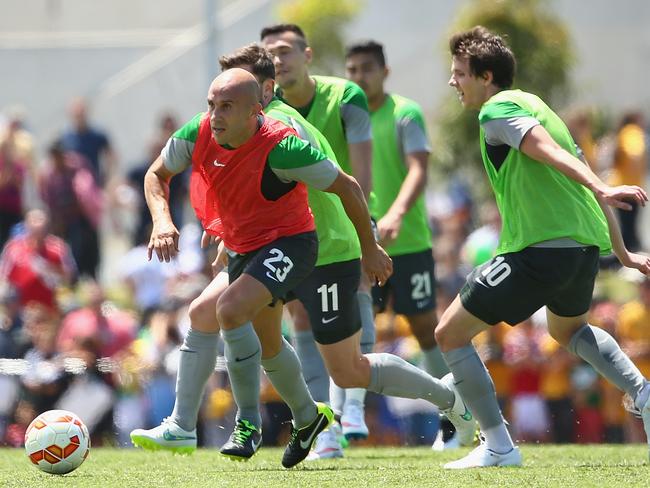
(511, 287)
(280, 266)
(411, 287)
(329, 295)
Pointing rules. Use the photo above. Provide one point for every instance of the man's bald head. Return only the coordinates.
(234, 103)
(238, 83)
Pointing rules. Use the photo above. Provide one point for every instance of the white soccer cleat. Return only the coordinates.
(167, 436)
(353, 422)
(460, 416)
(482, 457)
(326, 446)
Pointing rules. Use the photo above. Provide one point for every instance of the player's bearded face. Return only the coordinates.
(469, 88)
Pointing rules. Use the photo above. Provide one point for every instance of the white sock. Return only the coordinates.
(498, 439)
(355, 395)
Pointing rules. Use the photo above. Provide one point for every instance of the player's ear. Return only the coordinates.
(386, 72)
(268, 88)
(309, 55)
(487, 77)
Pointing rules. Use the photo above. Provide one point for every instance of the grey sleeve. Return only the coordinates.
(303, 133)
(319, 176)
(356, 122)
(411, 136)
(510, 131)
(177, 154)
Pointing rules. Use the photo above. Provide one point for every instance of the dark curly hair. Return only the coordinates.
(486, 52)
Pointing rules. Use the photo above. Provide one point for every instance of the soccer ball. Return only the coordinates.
(57, 442)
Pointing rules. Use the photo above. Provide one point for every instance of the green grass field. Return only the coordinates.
(572, 466)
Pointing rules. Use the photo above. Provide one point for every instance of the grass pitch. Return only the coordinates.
(545, 466)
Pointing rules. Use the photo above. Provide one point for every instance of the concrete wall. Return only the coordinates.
(135, 58)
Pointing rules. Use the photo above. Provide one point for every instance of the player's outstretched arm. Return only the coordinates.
(376, 263)
(539, 145)
(627, 258)
(164, 235)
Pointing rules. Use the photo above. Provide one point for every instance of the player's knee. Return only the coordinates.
(230, 314)
(443, 337)
(203, 315)
(351, 374)
(562, 334)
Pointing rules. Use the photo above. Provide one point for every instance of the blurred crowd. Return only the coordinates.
(108, 349)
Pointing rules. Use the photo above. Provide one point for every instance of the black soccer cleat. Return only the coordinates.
(244, 441)
(302, 439)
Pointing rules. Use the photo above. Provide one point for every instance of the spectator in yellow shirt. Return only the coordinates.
(630, 168)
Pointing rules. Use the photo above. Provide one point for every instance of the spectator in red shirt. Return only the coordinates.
(108, 329)
(68, 188)
(36, 262)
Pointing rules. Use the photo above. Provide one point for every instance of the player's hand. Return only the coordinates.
(388, 228)
(637, 261)
(207, 239)
(164, 241)
(616, 196)
(377, 264)
(221, 261)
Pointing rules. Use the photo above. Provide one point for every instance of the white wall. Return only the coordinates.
(114, 52)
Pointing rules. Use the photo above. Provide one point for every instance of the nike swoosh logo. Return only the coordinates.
(327, 321)
(456, 383)
(480, 282)
(307, 444)
(467, 416)
(256, 446)
(247, 357)
(269, 275)
(217, 163)
(168, 436)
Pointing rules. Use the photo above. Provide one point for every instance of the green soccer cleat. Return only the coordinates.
(167, 436)
(302, 439)
(244, 441)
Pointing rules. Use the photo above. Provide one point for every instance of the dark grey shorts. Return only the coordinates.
(280, 266)
(412, 286)
(511, 287)
(329, 295)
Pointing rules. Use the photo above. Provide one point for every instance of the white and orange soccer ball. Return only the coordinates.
(57, 442)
